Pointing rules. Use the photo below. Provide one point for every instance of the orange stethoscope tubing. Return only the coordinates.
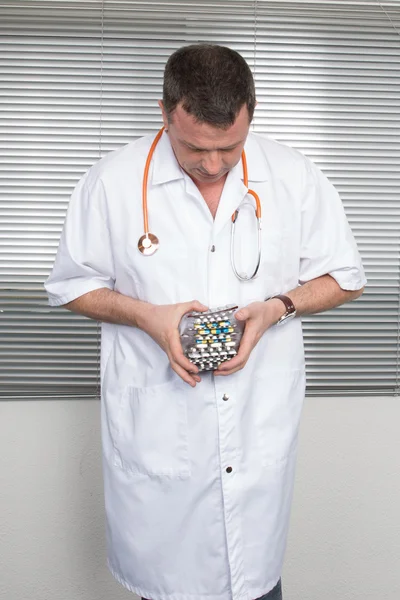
(148, 240)
(145, 180)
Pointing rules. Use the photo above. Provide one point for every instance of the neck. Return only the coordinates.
(211, 192)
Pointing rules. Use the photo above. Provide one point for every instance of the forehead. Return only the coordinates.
(204, 136)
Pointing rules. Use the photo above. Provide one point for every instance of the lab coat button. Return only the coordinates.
(213, 248)
(225, 397)
(229, 469)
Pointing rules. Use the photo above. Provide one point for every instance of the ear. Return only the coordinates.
(164, 114)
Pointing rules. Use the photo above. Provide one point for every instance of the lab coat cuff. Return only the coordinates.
(79, 289)
(348, 283)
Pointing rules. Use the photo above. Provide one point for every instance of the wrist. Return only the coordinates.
(142, 313)
(276, 309)
(290, 309)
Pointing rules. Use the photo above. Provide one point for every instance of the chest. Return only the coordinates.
(212, 196)
(195, 251)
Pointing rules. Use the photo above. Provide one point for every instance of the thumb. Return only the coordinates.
(243, 314)
(193, 305)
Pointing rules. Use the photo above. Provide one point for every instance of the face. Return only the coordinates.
(206, 152)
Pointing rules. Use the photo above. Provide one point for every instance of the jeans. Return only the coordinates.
(274, 594)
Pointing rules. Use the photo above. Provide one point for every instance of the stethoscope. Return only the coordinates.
(148, 243)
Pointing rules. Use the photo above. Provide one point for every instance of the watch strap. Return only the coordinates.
(290, 308)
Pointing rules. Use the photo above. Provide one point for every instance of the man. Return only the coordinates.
(199, 468)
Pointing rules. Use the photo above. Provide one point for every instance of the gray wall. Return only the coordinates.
(345, 535)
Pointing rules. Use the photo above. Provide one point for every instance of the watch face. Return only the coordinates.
(286, 318)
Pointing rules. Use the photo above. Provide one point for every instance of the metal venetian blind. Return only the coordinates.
(328, 81)
(81, 78)
(50, 88)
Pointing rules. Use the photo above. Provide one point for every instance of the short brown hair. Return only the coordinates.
(212, 82)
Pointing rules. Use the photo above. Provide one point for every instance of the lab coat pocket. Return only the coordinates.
(152, 431)
(268, 280)
(281, 393)
(167, 276)
(271, 266)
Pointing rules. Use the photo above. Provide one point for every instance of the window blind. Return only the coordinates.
(80, 78)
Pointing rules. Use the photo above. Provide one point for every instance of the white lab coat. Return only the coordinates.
(179, 526)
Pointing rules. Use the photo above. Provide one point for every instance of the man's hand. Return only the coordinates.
(259, 317)
(161, 322)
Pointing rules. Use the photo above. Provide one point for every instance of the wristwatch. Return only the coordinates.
(290, 309)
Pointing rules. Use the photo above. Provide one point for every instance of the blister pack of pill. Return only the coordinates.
(212, 337)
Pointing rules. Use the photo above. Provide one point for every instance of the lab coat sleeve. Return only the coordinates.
(84, 260)
(327, 243)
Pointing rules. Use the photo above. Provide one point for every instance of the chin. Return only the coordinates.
(213, 177)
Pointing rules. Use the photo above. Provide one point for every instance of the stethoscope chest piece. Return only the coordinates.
(148, 244)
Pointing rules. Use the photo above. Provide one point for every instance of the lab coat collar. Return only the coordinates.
(166, 168)
(232, 196)
(235, 191)
(256, 163)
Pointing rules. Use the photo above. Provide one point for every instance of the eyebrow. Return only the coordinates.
(231, 147)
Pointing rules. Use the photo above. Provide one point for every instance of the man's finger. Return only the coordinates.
(193, 305)
(225, 373)
(247, 343)
(242, 314)
(232, 365)
(180, 359)
(190, 379)
(176, 354)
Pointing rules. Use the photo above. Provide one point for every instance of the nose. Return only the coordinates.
(212, 163)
